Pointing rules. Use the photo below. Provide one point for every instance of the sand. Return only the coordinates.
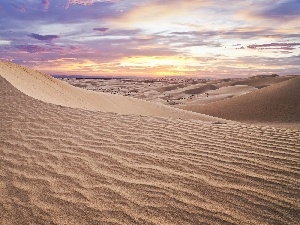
(64, 165)
(174, 92)
(271, 105)
(45, 88)
(277, 103)
(218, 95)
(261, 82)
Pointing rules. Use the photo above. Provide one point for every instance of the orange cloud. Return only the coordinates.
(157, 11)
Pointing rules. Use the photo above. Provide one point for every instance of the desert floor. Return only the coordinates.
(270, 100)
(72, 156)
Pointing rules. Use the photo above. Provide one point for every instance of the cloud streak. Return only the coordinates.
(43, 37)
(19, 6)
(86, 2)
(45, 5)
(283, 46)
(101, 29)
(30, 48)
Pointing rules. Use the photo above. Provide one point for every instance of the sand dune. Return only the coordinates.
(170, 87)
(201, 89)
(219, 94)
(178, 92)
(50, 90)
(277, 103)
(63, 165)
(261, 82)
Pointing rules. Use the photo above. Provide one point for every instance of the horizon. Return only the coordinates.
(80, 76)
(158, 38)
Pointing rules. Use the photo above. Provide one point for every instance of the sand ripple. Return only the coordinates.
(69, 166)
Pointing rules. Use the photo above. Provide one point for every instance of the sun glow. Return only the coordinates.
(154, 61)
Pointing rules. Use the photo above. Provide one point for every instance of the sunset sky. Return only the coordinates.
(219, 38)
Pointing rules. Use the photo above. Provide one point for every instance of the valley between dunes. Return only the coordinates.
(72, 156)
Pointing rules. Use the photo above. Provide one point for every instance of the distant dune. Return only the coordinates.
(261, 82)
(51, 90)
(63, 164)
(273, 108)
(222, 93)
(279, 102)
(200, 90)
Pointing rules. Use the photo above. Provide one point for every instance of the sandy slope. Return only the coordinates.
(201, 89)
(256, 81)
(61, 165)
(50, 90)
(178, 92)
(260, 82)
(277, 103)
(219, 94)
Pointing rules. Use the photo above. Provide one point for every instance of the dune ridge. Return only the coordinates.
(45, 88)
(220, 94)
(261, 82)
(277, 103)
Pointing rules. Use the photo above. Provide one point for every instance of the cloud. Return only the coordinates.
(30, 48)
(102, 29)
(19, 6)
(196, 33)
(240, 32)
(4, 42)
(45, 5)
(85, 2)
(123, 32)
(275, 12)
(283, 46)
(43, 37)
(283, 9)
(157, 11)
(17, 13)
(135, 31)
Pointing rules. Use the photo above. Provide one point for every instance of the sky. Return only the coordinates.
(203, 38)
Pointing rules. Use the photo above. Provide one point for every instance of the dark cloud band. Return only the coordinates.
(43, 37)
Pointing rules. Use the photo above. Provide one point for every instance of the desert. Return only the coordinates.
(173, 151)
(263, 100)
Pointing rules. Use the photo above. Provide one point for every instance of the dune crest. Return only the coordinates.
(261, 82)
(47, 89)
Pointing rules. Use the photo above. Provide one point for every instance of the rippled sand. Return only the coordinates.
(62, 165)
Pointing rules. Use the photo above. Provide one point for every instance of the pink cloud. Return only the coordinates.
(45, 5)
(102, 29)
(30, 48)
(85, 2)
(20, 7)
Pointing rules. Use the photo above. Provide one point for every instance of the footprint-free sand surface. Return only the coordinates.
(278, 103)
(74, 165)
